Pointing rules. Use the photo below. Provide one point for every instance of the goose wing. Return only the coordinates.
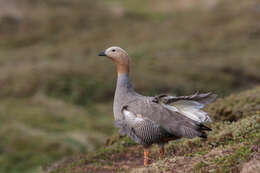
(173, 121)
(190, 106)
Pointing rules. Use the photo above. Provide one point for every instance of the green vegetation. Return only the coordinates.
(229, 146)
(56, 93)
(41, 129)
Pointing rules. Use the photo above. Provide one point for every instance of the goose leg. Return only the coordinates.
(146, 156)
(161, 151)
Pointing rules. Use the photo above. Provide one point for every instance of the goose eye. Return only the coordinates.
(113, 50)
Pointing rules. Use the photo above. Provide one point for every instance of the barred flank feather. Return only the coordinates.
(141, 130)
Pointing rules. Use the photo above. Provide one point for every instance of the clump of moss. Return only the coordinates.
(200, 167)
(236, 106)
(231, 163)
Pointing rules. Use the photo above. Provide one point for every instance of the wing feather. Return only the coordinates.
(172, 121)
(190, 106)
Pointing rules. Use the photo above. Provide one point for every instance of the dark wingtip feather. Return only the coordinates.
(203, 127)
(203, 135)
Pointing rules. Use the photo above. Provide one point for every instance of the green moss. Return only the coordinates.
(200, 167)
(232, 162)
(236, 106)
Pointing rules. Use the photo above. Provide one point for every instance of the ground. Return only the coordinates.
(232, 145)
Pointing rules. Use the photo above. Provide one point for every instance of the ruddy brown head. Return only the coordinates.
(120, 58)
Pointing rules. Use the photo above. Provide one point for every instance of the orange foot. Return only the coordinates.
(146, 157)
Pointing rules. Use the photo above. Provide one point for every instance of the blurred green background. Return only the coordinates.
(56, 93)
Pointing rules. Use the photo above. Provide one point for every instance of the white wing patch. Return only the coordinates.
(132, 118)
(190, 109)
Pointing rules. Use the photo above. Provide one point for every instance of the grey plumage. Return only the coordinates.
(149, 120)
(141, 129)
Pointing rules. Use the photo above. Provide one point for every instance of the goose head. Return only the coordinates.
(119, 57)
